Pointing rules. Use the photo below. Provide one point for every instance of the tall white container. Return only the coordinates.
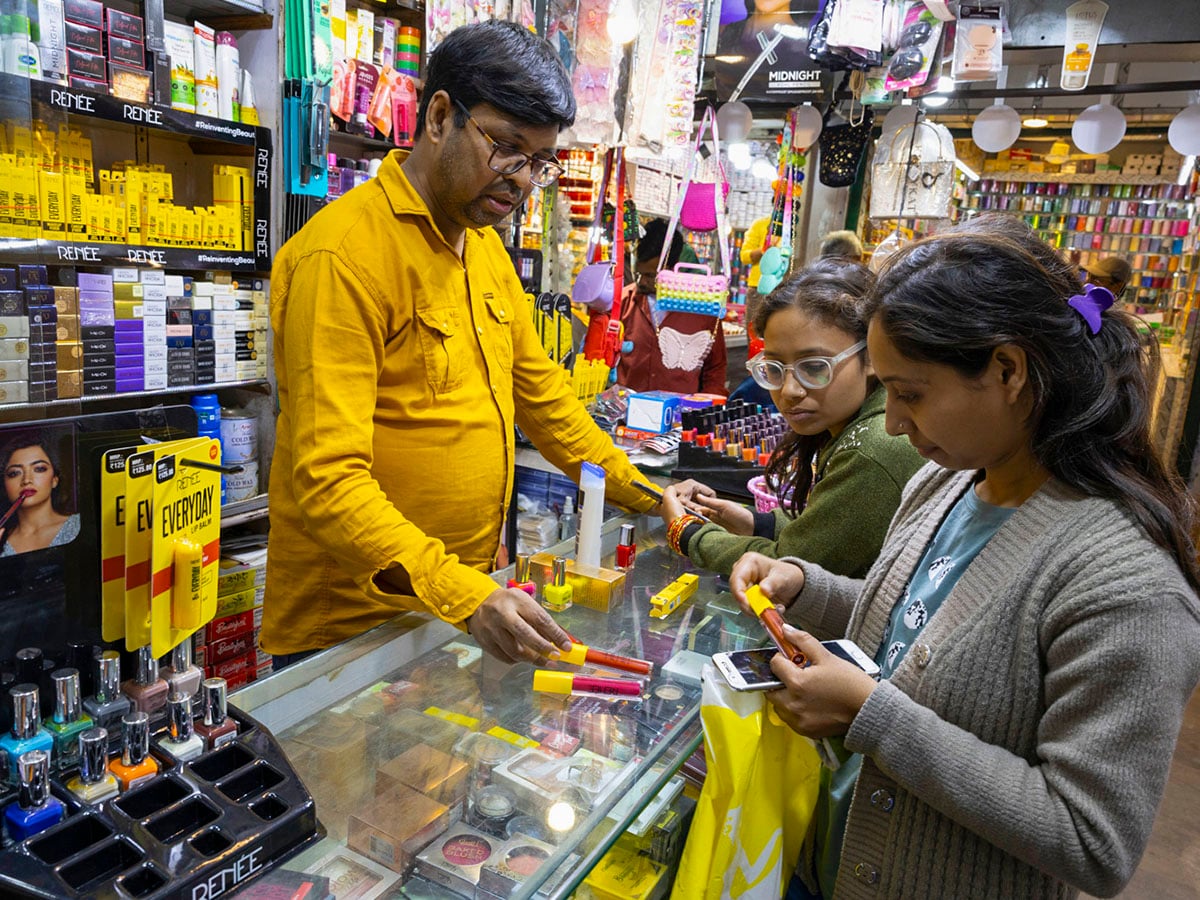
(591, 515)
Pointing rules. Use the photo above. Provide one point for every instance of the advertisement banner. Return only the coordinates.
(762, 53)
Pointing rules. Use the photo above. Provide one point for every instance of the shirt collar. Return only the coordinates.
(404, 198)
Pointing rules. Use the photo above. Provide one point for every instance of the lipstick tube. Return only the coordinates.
(773, 622)
(548, 682)
(581, 654)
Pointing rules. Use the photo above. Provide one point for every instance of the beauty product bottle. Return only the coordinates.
(147, 692)
(35, 810)
(216, 727)
(94, 782)
(556, 596)
(69, 719)
(109, 704)
(183, 676)
(591, 515)
(183, 743)
(520, 579)
(81, 656)
(26, 732)
(31, 670)
(568, 522)
(626, 547)
(135, 764)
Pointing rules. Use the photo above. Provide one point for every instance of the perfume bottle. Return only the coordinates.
(109, 704)
(135, 764)
(147, 692)
(94, 782)
(35, 810)
(216, 727)
(556, 596)
(26, 734)
(183, 676)
(69, 719)
(183, 743)
(568, 522)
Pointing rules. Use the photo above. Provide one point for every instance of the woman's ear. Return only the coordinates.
(1010, 368)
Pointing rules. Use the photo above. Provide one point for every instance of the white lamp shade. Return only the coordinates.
(897, 118)
(1098, 128)
(734, 120)
(996, 128)
(1184, 133)
(807, 128)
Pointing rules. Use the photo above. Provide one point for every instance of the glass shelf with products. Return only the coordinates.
(20, 412)
(409, 736)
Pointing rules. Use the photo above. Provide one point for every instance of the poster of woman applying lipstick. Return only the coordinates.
(762, 52)
(38, 506)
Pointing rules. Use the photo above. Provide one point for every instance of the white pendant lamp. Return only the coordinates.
(1184, 133)
(996, 128)
(1098, 128)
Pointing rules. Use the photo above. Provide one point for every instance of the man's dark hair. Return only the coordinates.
(651, 244)
(507, 67)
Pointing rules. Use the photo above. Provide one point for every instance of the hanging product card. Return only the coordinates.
(764, 55)
(858, 24)
(1084, 21)
(977, 43)
(185, 544)
(112, 542)
(919, 43)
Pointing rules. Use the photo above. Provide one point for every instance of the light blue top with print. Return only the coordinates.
(966, 531)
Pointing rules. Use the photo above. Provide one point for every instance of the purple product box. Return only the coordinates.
(96, 298)
(32, 276)
(40, 296)
(43, 315)
(91, 282)
(130, 384)
(130, 326)
(12, 303)
(96, 318)
(180, 341)
(8, 279)
(129, 362)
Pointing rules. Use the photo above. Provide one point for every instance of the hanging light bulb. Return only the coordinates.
(762, 169)
(622, 22)
(739, 155)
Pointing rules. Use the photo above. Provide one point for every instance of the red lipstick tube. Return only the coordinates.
(548, 682)
(581, 654)
(773, 622)
(16, 504)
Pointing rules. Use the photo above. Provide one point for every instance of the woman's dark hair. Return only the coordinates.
(20, 442)
(507, 67)
(651, 243)
(953, 298)
(832, 291)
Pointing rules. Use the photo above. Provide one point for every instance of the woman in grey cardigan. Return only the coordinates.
(1034, 607)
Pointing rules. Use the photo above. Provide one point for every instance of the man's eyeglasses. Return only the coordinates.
(813, 372)
(507, 160)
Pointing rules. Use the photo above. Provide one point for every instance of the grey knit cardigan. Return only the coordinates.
(1021, 748)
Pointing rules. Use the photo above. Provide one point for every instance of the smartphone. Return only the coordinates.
(750, 670)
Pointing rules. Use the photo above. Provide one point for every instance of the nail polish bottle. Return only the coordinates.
(26, 732)
(182, 742)
(520, 579)
(109, 704)
(81, 656)
(94, 782)
(216, 727)
(35, 810)
(183, 676)
(68, 720)
(135, 763)
(556, 596)
(626, 547)
(31, 670)
(147, 692)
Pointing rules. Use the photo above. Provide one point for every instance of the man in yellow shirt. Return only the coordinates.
(405, 355)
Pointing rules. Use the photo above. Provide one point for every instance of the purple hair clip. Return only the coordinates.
(1093, 301)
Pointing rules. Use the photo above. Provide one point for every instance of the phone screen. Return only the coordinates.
(840, 652)
(755, 665)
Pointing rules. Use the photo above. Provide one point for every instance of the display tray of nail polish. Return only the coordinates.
(723, 474)
(196, 830)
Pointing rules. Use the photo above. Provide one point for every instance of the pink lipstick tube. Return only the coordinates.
(21, 498)
(548, 682)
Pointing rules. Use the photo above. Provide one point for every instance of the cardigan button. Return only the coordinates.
(883, 798)
(922, 654)
(867, 873)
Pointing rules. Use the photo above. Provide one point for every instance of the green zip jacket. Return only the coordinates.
(860, 475)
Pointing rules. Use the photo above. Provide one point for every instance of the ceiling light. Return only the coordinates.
(966, 170)
(622, 22)
(762, 169)
(945, 85)
(934, 101)
(1035, 122)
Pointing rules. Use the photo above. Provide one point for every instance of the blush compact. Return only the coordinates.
(454, 860)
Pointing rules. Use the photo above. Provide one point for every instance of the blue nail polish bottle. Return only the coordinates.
(35, 810)
(27, 733)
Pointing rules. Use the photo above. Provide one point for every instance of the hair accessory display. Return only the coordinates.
(1091, 303)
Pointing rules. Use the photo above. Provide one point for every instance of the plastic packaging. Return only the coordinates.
(248, 112)
(228, 77)
(181, 49)
(591, 515)
(977, 43)
(204, 43)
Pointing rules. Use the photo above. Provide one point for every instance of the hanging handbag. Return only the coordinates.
(912, 175)
(690, 287)
(842, 150)
(700, 202)
(593, 285)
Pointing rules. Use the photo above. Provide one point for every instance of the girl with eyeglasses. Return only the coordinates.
(1033, 610)
(839, 474)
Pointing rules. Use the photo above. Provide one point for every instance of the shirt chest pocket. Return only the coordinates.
(500, 340)
(445, 348)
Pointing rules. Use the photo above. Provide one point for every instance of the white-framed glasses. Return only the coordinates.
(506, 160)
(812, 372)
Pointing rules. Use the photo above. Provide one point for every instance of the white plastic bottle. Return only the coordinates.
(591, 515)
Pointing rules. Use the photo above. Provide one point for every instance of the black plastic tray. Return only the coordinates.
(199, 829)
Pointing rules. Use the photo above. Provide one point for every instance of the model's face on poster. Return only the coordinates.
(30, 469)
(39, 497)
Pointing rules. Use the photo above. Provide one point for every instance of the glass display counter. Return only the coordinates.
(438, 771)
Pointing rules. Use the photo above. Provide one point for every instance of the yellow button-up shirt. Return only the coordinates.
(402, 369)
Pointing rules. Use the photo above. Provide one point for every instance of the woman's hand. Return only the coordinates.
(729, 514)
(822, 699)
(780, 581)
(679, 500)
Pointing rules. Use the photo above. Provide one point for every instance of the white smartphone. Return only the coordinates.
(750, 670)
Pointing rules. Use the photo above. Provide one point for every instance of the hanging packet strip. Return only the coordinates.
(185, 544)
(112, 542)
(919, 42)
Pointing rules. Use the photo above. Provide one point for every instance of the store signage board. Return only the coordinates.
(762, 53)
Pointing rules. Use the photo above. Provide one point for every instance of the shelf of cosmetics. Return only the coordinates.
(169, 812)
(725, 446)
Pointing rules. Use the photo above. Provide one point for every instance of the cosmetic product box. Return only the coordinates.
(429, 771)
(223, 818)
(621, 875)
(397, 825)
(455, 859)
(230, 626)
(594, 587)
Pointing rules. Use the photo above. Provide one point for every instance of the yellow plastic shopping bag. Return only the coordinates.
(757, 800)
